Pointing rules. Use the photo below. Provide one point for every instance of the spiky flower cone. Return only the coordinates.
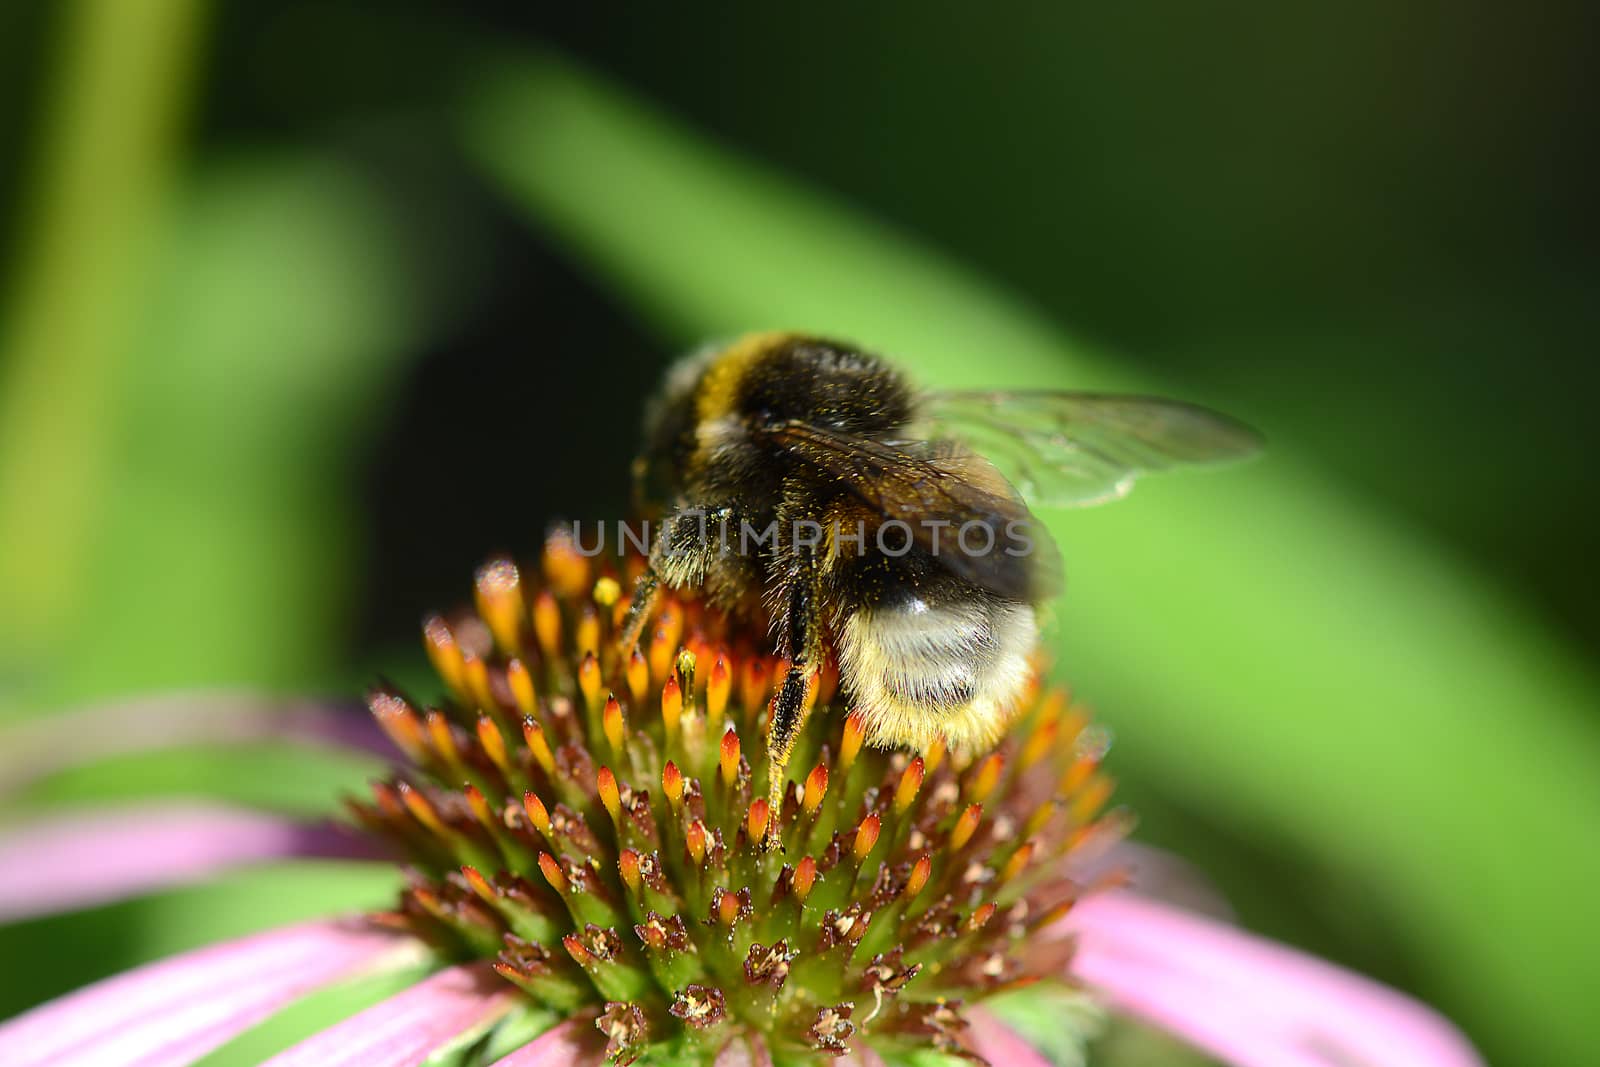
(592, 823)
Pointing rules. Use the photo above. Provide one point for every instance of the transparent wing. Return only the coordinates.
(1065, 449)
(936, 490)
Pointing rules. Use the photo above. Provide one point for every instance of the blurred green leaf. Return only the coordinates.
(1060, 1023)
(1268, 647)
(283, 304)
(293, 779)
(1130, 1044)
(99, 178)
(515, 1030)
(286, 305)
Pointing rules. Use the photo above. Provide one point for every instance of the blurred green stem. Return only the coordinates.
(105, 160)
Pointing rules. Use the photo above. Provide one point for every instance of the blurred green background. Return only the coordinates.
(307, 307)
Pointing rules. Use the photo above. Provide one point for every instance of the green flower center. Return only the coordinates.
(592, 822)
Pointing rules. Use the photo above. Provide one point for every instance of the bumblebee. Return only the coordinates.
(870, 518)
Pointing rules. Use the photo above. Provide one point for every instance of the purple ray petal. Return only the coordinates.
(998, 1043)
(1203, 1015)
(401, 1031)
(174, 1011)
(1246, 1000)
(574, 1043)
(73, 860)
(33, 750)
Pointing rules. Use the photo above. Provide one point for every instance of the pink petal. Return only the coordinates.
(574, 1043)
(176, 1010)
(998, 1043)
(401, 1031)
(67, 861)
(33, 750)
(1197, 1013)
(1246, 1000)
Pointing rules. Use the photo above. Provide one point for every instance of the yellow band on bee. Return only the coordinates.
(719, 388)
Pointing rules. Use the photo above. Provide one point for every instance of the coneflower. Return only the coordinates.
(583, 834)
(592, 822)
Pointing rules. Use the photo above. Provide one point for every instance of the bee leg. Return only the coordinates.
(680, 556)
(789, 714)
(646, 591)
(791, 708)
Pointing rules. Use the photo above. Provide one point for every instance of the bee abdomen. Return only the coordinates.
(919, 668)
